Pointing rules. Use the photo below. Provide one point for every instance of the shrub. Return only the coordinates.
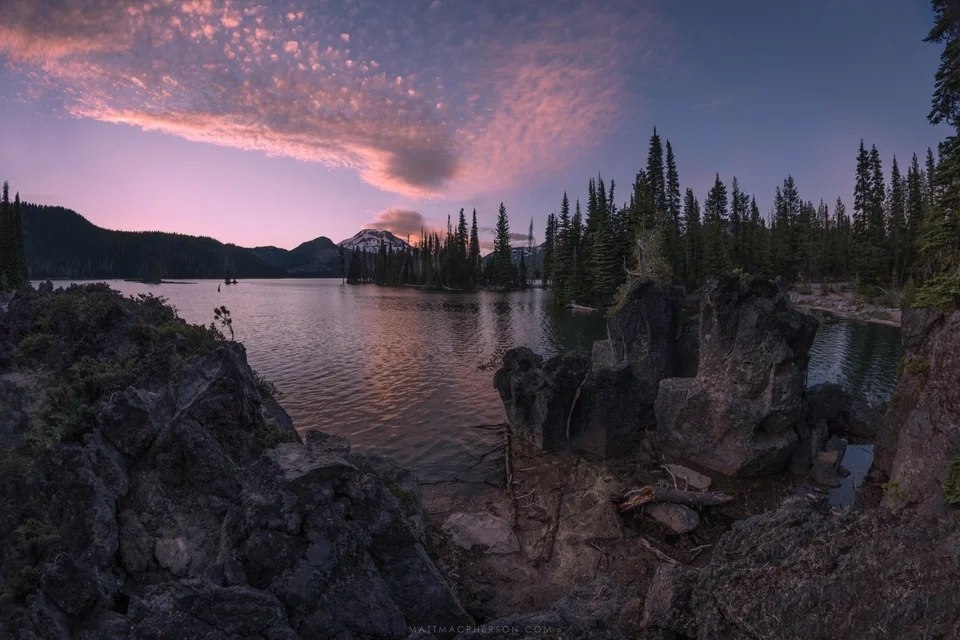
(951, 484)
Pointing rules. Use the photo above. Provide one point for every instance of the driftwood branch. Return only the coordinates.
(650, 493)
(573, 405)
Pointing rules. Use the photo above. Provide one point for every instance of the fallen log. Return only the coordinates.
(651, 493)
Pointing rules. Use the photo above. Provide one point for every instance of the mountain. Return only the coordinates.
(370, 239)
(62, 244)
(319, 257)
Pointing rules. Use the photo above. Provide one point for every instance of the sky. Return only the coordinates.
(272, 123)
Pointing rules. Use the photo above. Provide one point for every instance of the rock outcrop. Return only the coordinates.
(150, 489)
(842, 412)
(738, 415)
(801, 572)
(538, 395)
(919, 445)
(612, 394)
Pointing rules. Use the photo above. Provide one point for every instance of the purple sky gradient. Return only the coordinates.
(279, 122)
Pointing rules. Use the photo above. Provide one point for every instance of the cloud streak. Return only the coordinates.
(421, 98)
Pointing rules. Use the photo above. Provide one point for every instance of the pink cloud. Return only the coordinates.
(422, 100)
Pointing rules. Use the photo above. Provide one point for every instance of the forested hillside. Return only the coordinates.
(62, 244)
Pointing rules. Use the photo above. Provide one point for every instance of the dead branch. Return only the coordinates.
(661, 556)
(573, 406)
(652, 493)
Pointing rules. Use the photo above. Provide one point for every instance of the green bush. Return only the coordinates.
(951, 484)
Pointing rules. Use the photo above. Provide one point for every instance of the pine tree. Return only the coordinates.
(549, 250)
(563, 260)
(503, 269)
(738, 214)
(940, 243)
(693, 240)
(675, 252)
(915, 207)
(897, 226)
(13, 259)
(715, 251)
(658, 185)
(603, 269)
(473, 254)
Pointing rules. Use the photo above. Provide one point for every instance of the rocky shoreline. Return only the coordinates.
(152, 487)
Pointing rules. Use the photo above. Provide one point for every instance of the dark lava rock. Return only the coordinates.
(803, 572)
(615, 399)
(537, 394)
(921, 432)
(738, 416)
(842, 411)
(153, 491)
(600, 609)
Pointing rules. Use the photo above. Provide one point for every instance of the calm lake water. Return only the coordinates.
(408, 373)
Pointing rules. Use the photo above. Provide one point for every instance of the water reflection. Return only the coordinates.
(861, 356)
(407, 373)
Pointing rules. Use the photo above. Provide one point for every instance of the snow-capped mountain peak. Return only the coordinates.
(370, 239)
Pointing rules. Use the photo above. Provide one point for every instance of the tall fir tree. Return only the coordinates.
(503, 269)
(897, 225)
(940, 243)
(715, 250)
(693, 240)
(473, 253)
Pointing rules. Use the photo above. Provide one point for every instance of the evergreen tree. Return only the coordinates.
(693, 240)
(715, 250)
(13, 259)
(940, 243)
(897, 226)
(473, 254)
(503, 269)
(549, 250)
(915, 207)
(675, 252)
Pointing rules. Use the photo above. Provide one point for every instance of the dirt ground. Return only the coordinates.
(571, 533)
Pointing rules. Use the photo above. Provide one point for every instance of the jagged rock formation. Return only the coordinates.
(920, 439)
(537, 395)
(609, 399)
(802, 572)
(738, 415)
(149, 488)
(841, 411)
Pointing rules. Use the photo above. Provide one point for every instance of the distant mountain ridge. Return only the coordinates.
(62, 244)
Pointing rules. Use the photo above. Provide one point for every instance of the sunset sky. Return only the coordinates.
(276, 122)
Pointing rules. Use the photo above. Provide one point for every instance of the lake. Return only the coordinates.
(408, 373)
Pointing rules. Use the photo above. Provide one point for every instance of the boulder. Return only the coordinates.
(676, 518)
(919, 447)
(469, 530)
(739, 414)
(843, 412)
(604, 421)
(643, 334)
(537, 394)
(170, 497)
(599, 610)
(801, 571)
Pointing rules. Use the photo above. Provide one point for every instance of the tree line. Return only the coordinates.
(883, 241)
(449, 261)
(904, 232)
(13, 257)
